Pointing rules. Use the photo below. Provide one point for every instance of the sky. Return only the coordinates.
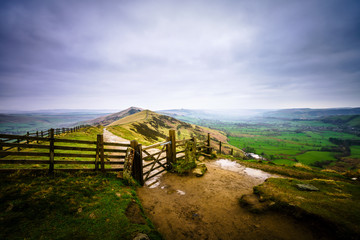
(179, 54)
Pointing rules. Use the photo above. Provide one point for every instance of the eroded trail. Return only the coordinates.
(207, 208)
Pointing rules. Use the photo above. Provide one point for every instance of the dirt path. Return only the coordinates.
(207, 208)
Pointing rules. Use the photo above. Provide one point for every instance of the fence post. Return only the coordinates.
(220, 147)
(195, 148)
(101, 143)
(208, 144)
(37, 135)
(137, 167)
(97, 156)
(232, 152)
(172, 138)
(52, 151)
(42, 134)
(27, 140)
(168, 152)
(18, 142)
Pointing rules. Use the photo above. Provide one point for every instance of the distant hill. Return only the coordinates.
(108, 119)
(149, 127)
(224, 114)
(344, 120)
(308, 113)
(35, 121)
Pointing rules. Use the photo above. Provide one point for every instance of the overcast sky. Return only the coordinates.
(179, 54)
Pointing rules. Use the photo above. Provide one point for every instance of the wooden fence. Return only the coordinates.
(38, 134)
(49, 152)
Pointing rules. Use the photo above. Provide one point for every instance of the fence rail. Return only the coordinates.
(148, 162)
(53, 149)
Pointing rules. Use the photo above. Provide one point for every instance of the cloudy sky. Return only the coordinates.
(179, 54)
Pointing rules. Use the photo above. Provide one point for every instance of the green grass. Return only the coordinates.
(336, 202)
(311, 157)
(69, 206)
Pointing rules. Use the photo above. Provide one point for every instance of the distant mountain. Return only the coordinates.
(308, 113)
(149, 127)
(35, 121)
(108, 119)
(224, 114)
(344, 120)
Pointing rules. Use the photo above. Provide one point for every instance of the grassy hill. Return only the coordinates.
(148, 127)
(108, 119)
(346, 120)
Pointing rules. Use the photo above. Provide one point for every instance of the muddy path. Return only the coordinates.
(187, 207)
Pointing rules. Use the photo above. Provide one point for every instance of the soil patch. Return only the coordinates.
(187, 207)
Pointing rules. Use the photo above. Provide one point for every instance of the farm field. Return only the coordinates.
(289, 141)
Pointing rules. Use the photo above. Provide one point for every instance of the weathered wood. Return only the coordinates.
(208, 143)
(97, 152)
(24, 145)
(38, 154)
(232, 152)
(156, 174)
(22, 161)
(74, 141)
(51, 151)
(156, 145)
(154, 154)
(172, 138)
(102, 156)
(19, 137)
(73, 162)
(116, 144)
(74, 148)
(27, 140)
(137, 169)
(114, 156)
(115, 150)
(81, 155)
(219, 147)
(147, 172)
(115, 162)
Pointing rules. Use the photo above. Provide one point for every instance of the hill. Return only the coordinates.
(20, 123)
(346, 120)
(106, 120)
(149, 127)
(308, 113)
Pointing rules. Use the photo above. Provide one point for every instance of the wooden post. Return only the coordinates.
(98, 140)
(172, 138)
(137, 167)
(18, 142)
(37, 135)
(220, 147)
(42, 134)
(168, 153)
(208, 144)
(27, 140)
(232, 152)
(195, 148)
(52, 151)
(102, 157)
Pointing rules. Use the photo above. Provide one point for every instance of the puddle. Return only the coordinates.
(236, 167)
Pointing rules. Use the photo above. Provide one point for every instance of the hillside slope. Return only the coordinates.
(106, 120)
(149, 127)
(346, 120)
(308, 113)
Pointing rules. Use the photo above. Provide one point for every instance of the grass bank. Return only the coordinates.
(70, 206)
(335, 204)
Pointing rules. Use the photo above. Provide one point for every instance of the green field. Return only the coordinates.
(288, 141)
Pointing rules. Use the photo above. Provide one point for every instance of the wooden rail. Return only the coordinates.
(53, 149)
